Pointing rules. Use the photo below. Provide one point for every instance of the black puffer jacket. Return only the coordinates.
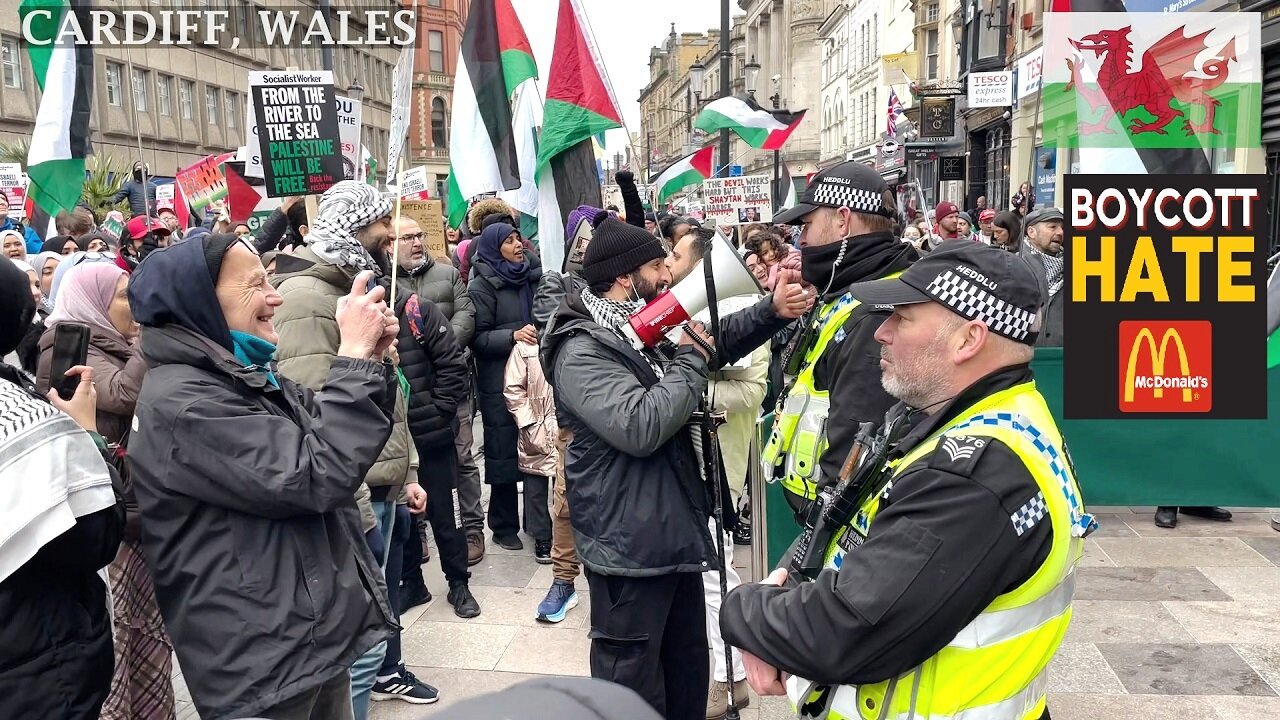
(441, 283)
(499, 313)
(637, 501)
(433, 364)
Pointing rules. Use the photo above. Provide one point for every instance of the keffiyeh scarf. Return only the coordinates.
(345, 208)
(1053, 267)
(613, 315)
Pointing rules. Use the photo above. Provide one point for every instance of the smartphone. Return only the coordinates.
(70, 348)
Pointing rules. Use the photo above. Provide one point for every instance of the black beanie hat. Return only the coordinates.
(215, 248)
(617, 248)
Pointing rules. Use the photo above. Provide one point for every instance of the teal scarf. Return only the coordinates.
(255, 353)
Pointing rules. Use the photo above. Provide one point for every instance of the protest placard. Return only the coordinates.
(429, 216)
(202, 182)
(14, 186)
(298, 138)
(413, 183)
(349, 133)
(164, 196)
(737, 200)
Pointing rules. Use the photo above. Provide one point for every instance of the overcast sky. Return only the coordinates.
(624, 33)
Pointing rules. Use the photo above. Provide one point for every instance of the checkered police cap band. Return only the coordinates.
(971, 301)
(834, 194)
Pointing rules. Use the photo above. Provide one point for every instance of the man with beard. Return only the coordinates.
(1042, 249)
(637, 499)
(350, 234)
(946, 584)
(948, 216)
(848, 237)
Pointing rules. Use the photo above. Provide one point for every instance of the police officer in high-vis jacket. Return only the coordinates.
(833, 381)
(948, 590)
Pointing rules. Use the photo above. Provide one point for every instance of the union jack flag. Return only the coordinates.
(894, 112)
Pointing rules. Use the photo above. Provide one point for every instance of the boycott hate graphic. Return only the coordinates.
(298, 133)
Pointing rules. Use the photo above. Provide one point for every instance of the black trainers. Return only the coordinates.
(508, 542)
(542, 552)
(742, 534)
(405, 687)
(414, 596)
(463, 602)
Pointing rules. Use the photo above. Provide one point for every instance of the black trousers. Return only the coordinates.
(438, 475)
(650, 634)
(504, 508)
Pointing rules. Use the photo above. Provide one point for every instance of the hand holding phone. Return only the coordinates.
(70, 349)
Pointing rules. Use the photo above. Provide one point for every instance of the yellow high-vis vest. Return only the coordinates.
(995, 668)
(799, 436)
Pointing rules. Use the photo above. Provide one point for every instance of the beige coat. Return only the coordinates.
(533, 407)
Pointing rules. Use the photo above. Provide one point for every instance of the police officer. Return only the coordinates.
(948, 591)
(849, 236)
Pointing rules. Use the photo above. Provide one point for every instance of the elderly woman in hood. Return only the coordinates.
(246, 480)
(62, 524)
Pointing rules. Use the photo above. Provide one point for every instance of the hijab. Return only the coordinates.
(38, 264)
(71, 261)
(175, 287)
(17, 307)
(85, 297)
(489, 249)
(55, 244)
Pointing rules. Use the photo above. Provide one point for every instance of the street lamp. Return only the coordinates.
(356, 91)
(696, 73)
(751, 72)
(777, 165)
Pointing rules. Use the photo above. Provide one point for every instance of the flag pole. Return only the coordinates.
(395, 224)
(607, 81)
(137, 129)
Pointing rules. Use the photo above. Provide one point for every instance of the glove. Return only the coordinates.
(626, 177)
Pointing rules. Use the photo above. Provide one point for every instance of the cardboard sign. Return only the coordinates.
(14, 186)
(1165, 309)
(737, 200)
(164, 196)
(991, 89)
(430, 217)
(202, 182)
(298, 135)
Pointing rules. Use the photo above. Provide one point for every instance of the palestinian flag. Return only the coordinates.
(64, 72)
(481, 126)
(759, 128)
(684, 172)
(1152, 80)
(455, 204)
(580, 101)
(517, 55)
(521, 75)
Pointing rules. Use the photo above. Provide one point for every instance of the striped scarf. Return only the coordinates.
(1053, 268)
(613, 315)
(344, 209)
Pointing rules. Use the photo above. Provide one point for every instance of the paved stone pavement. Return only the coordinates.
(1178, 623)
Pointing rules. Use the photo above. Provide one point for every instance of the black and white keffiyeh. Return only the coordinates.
(614, 315)
(345, 208)
(1053, 268)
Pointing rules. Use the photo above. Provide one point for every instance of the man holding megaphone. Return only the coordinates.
(637, 499)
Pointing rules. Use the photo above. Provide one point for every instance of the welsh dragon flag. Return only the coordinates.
(1151, 80)
(580, 102)
(64, 72)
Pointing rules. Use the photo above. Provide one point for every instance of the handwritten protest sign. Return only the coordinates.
(429, 216)
(202, 182)
(737, 200)
(298, 137)
(164, 196)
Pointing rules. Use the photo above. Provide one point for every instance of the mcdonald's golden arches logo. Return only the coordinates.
(1166, 366)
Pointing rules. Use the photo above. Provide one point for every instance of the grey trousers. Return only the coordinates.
(468, 473)
(330, 701)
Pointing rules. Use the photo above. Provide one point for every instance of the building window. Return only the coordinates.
(243, 18)
(435, 50)
(186, 99)
(164, 93)
(931, 12)
(115, 74)
(232, 111)
(211, 105)
(139, 89)
(997, 157)
(438, 124)
(931, 54)
(12, 63)
(433, 3)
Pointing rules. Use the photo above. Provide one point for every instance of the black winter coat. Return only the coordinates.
(55, 636)
(499, 313)
(637, 500)
(433, 364)
(250, 528)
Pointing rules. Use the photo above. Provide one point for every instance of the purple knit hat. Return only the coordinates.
(577, 215)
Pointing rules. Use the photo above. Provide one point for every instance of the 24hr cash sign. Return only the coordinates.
(1166, 312)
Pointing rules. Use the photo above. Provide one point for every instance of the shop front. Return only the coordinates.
(989, 143)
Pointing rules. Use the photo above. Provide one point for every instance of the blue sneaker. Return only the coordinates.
(560, 599)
